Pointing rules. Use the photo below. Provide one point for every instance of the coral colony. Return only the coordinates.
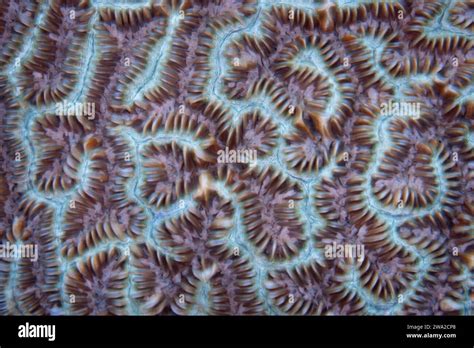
(236, 157)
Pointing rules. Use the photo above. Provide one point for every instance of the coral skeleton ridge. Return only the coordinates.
(236, 157)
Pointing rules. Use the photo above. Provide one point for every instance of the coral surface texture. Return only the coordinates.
(236, 157)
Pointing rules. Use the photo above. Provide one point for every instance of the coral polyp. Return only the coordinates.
(236, 157)
(163, 285)
(51, 72)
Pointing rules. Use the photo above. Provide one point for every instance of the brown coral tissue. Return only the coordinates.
(236, 157)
